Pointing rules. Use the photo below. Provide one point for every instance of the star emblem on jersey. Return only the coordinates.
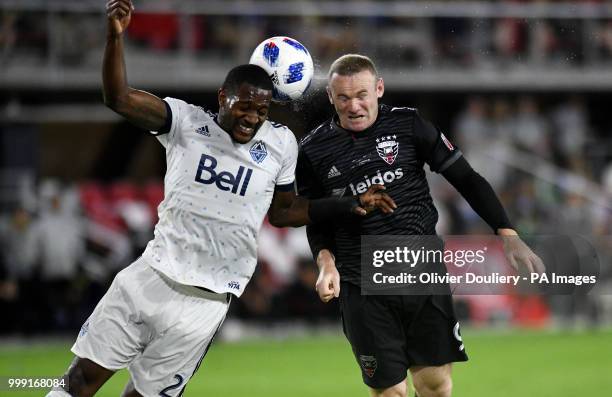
(333, 172)
(368, 364)
(387, 148)
(258, 151)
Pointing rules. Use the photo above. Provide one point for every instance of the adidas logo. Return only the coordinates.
(203, 131)
(333, 172)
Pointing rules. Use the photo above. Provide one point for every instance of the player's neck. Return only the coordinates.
(338, 123)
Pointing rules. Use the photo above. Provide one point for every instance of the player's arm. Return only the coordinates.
(320, 235)
(140, 108)
(322, 245)
(480, 196)
(443, 157)
(289, 209)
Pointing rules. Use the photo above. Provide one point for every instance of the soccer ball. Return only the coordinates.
(289, 65)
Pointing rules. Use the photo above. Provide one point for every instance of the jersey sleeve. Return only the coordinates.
(286, 175)
(320, 235)
(176, 109)
(306, 181)
(436, 150)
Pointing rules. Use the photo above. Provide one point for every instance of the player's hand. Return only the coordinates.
(328, 283)
(374, 198)
(520, 255)
(118, 13)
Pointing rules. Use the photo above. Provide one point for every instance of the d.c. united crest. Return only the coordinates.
(368, 364)
(387, 148)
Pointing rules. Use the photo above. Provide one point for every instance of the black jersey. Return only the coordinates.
(337, 162)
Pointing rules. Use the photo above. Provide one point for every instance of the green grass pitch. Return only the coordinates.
(522, 363)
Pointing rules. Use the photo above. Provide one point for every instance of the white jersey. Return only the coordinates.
(216, 195)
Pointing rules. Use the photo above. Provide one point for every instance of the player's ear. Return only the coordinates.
(380, 87)
(221, 97)
(329, 95)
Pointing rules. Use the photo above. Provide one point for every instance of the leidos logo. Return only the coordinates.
(379, 178)
(224, 180)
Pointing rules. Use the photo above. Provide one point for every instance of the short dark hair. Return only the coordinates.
(250, 74)
(350, 64)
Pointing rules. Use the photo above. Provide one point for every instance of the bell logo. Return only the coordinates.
(378, 179)
(224, 180)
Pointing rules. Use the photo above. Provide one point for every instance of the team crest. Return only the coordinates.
(368, 364)
(258, 151)
(387, 148)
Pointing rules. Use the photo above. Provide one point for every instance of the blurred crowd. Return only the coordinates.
(60, 250)
(550, 164)
(553, 173)
(509, 142)
(71, 39)
(546, 163)
(58, 257)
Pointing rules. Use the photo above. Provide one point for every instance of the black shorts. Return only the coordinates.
(390, 334)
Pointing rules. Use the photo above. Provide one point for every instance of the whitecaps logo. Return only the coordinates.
(258, 152)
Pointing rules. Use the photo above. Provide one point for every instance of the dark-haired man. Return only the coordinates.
(224, 172)
(389, 334)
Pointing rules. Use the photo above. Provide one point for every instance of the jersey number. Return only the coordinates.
(179, 382)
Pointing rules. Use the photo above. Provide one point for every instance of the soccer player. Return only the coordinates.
(390, 335)
(224, 171)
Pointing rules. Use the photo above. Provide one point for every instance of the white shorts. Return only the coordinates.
(159, 329)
